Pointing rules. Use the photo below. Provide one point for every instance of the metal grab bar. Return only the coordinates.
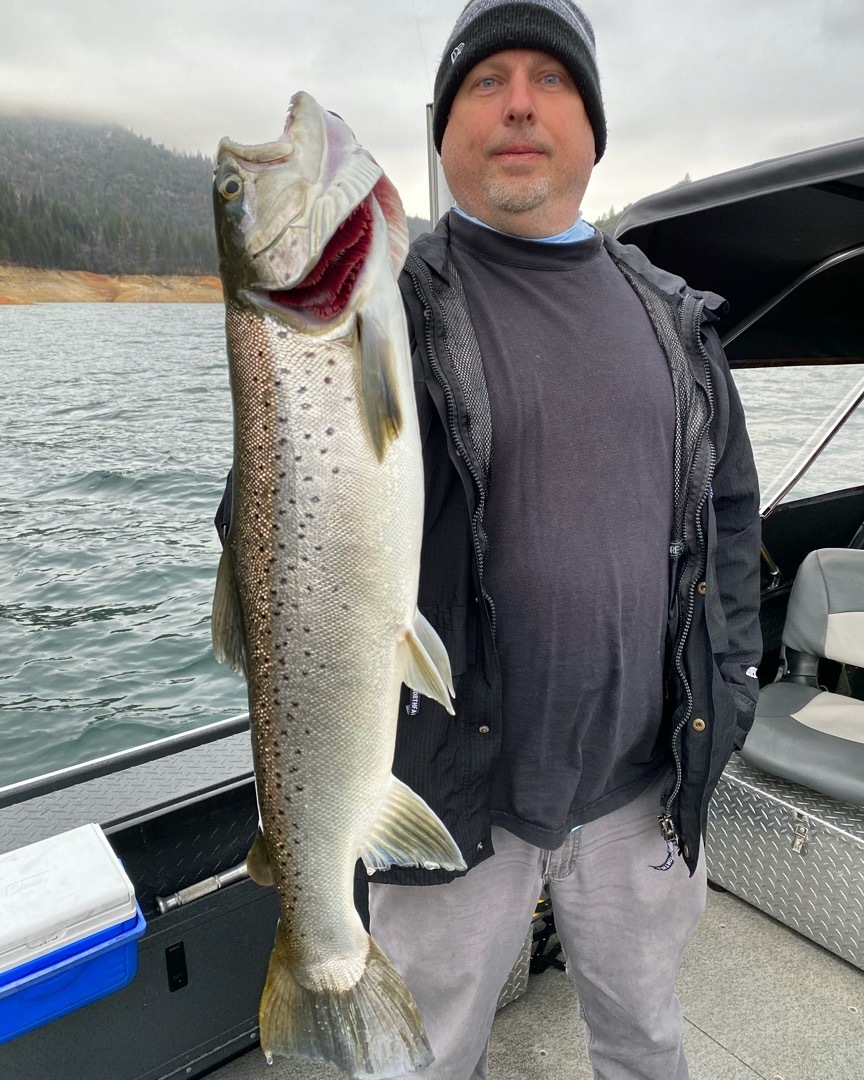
(825, 264)
(811, 450)
(123, 759)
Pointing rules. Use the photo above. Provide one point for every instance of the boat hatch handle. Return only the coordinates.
(801, 839)
(48, 783)
(201, 888)
(801, 462)
(773, 569)
(820, 267)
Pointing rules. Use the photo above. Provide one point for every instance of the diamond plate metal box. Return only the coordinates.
(792, 852)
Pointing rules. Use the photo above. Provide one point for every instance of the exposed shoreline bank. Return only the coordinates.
(24, 285)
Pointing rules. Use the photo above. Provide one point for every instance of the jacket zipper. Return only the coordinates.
(667, 826)
(453, 426)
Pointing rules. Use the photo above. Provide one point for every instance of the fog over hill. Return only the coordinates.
(100, 198)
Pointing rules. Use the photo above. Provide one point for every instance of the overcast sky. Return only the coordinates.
(690, 86)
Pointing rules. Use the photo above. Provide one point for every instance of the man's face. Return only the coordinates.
(518, 148)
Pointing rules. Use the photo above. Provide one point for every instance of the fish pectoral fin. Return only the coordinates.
(428, 666)
(258, 861)
(226, 621)
(369, 1028)
(409, 833)
(378, 381)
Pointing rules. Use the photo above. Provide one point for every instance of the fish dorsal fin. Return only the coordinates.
(378, 380)
(397, 224)
(408, 832)
(427, 668)
(226, 621)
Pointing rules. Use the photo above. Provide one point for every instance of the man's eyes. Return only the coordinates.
(549, 78)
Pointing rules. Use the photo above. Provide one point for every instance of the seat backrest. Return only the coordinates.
(825, 616)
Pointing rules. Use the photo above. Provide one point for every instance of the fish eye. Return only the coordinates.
(230, 187)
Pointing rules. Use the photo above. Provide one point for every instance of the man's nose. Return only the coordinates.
(519, 103)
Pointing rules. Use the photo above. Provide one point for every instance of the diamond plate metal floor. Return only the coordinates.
(761, 1003)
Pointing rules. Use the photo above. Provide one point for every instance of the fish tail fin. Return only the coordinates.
(371, 1031)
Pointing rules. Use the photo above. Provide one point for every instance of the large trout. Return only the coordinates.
(316, 593)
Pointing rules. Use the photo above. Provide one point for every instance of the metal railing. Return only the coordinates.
(123, 759)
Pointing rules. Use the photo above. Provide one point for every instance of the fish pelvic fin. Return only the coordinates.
(428, 665)
(258, 863)
(378, 381)
(370, 1031)
(409, 833)
(226, 621)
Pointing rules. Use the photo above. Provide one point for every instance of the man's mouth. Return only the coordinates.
(519, 152)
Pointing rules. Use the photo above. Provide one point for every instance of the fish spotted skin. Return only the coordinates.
(316, 598)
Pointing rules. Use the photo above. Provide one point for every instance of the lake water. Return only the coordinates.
(115, 423)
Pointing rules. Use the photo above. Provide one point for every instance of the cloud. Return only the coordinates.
(689, 87)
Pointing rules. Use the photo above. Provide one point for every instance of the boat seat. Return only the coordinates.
(802, 732)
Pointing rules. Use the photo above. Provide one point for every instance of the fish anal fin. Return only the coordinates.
(371, 1030)
(226, 622)
(407, 832)
(427, 668)
(258, 861)
(378, 383)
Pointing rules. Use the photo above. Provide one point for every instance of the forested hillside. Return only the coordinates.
(85, 197)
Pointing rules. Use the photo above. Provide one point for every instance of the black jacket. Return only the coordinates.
(713, 639)
(713, 636)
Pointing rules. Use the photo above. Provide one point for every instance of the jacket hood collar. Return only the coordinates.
(670, 284)
(432, 249)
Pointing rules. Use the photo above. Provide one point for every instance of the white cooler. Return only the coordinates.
(69, 928)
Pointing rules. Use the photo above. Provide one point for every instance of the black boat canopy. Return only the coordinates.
(782, 241)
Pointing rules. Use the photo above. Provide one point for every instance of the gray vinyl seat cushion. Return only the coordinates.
(801, 732)
(828, 757)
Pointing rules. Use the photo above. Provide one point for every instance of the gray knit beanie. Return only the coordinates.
(556, 27)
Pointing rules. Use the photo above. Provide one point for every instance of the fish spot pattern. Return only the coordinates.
(304, 615)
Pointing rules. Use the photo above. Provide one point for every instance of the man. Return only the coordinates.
(590, 560)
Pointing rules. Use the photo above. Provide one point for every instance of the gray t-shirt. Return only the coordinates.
(579, 519)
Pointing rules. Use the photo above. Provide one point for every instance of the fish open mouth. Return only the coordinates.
(326, 289)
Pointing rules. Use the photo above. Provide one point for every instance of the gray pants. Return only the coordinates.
(623, 926)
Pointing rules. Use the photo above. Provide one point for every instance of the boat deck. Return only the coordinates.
(760, 1002)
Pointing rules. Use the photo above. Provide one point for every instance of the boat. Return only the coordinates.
(767, 991)
(783, 242)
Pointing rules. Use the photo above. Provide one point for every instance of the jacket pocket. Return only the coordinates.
(715, 617)
(746, 710)
(452, 626)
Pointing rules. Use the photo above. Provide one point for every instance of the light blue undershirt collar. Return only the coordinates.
(580, 230)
